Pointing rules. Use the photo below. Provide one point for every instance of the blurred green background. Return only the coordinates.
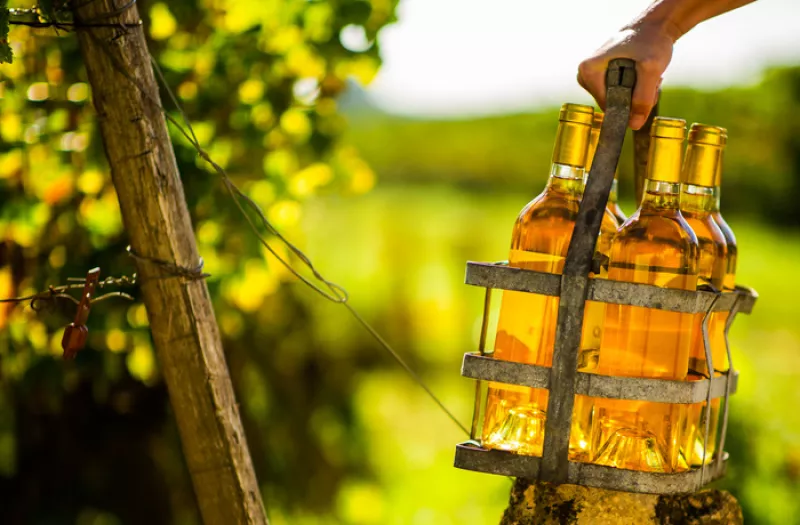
(391, 208)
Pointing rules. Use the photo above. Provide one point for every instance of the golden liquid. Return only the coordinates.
(729, 282)
(591, 338)
(729, 285)
(656, 247)
(515, 415)
(711, 269)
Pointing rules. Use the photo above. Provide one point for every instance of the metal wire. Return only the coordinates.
(709, 366)
(52, 293)
(729, 373)
(487, 302)
(327, 289)
(171, 269)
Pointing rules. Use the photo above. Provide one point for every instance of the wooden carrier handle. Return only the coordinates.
(620, 80)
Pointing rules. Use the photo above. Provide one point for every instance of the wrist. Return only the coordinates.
(665, 27)
(664, 18)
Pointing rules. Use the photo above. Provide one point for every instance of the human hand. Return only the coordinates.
(650, 45)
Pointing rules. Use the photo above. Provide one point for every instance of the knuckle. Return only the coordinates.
(581, 81)
(584, 68)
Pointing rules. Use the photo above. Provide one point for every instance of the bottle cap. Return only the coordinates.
(705, 134)
(703, 155)
(668, 128)
(572, 140)
(578, 113)
(594, 138)
(666, 149)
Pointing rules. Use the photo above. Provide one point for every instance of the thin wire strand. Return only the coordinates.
(171, 269)
(336, 294)
(403, 363)
(60, 292)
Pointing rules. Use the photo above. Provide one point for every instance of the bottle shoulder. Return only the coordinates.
(727, 232)
(706, 230)
(548, 201)
(655, 248)
(668, 226)
(549, 210)
(545, 225)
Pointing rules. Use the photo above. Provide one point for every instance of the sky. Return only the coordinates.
(471, 57)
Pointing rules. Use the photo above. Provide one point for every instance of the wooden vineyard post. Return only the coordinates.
(156, 218)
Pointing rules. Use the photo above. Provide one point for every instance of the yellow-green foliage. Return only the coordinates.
(259, 79)
(337, 433)
(513, 151)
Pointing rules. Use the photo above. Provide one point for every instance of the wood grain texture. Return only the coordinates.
(156, 218)
(620, 79)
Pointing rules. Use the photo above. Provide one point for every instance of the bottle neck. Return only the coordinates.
(701, 166)
(661, 195)
(664, 160)
(698, 199)
(571, 143)
(569, 179)
(715, 199)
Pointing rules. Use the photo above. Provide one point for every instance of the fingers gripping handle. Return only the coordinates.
(620, 79)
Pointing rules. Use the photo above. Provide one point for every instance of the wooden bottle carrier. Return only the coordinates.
(563, 381)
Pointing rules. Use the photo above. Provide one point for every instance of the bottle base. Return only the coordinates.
(521, 432)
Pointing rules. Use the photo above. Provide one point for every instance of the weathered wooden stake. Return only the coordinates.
(156, 218)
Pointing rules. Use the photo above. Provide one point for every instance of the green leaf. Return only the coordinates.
(5, 50)
(6, 55)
